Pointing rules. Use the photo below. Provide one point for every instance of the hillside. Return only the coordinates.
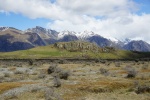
(74, 49)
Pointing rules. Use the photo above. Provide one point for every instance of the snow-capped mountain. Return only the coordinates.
(3, 28)
(115, 40)
(84, 35)
(66, 33)
(12, 39)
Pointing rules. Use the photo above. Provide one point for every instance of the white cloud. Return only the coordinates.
(109, 18)
(131, 26)
(68, 9)
(98, 7)
(33, 8)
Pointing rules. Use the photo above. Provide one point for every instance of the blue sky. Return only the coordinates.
(114, 18)
(144, 6)
(21, 22)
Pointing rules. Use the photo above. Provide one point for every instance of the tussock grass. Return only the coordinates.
(100, 86)
(84, 82)
(145, 70)
(10, 85)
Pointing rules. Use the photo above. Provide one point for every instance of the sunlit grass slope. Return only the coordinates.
(53, 52)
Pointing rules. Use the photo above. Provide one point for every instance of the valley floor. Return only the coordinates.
(108, 80)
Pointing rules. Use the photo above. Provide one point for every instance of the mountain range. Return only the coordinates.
(12, 39)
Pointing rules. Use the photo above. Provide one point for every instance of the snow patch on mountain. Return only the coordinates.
(85, 34)
(64, 33)
(113, 39)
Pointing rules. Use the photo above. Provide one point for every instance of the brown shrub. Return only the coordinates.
(51, 69)
(143, 89)
(104, 71)
(131, 73)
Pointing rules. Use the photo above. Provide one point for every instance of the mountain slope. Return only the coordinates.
(102, 42)
(48, 36)
(137, 46)
(6, 45)
(12, 39)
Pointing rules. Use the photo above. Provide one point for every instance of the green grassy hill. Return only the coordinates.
(72, 50)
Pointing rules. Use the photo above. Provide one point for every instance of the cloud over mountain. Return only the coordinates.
(109, 18)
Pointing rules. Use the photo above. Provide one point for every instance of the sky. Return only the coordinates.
(110, 18)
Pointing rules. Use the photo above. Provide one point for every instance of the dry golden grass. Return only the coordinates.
(68, 66)
(86, 83)
(99, 86)
(145, 70)
(122, 72)
(86, 87)
(74, 95)
(32, 96)
(12, 69)
(10, 85)
(114, 69)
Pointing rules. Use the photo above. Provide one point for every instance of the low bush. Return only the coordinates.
(57, 82)
(117, 64)
(30, 62)
(6, 74)
(104, 71)
(131, 73)
(62, 74)
(51, 69)
(143, 89)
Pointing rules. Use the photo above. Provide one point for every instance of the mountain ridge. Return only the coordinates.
(40, 36)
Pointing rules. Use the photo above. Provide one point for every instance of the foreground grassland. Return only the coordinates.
(48, 52)
(87, 81)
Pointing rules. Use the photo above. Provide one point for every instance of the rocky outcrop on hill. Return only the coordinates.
(75, 46)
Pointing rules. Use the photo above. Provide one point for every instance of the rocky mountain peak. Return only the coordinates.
(37, 29)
